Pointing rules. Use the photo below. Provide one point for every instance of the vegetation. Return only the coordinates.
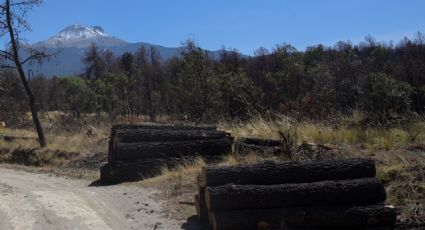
(341, 101)
(12, 22)
(383, 82)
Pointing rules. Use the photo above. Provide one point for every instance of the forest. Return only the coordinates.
(382, 81)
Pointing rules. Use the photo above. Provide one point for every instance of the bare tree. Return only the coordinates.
(12, 23)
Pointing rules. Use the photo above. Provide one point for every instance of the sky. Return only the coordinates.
(244, 25)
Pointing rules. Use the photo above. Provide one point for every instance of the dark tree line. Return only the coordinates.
(383, 81)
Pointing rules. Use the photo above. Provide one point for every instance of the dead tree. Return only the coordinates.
(12, 22)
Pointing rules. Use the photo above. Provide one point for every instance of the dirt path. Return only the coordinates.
(38, 201)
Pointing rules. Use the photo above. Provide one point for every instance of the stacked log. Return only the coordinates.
(139, 151)
(330, 194)
(266, 146)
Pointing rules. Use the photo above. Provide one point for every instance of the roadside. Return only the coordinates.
(42, 201)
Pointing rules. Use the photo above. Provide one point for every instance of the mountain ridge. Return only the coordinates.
(71, 43)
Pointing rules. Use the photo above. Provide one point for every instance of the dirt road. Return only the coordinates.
(40, 202)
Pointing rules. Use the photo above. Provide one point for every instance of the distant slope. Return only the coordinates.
(68, 62)
(71, 43)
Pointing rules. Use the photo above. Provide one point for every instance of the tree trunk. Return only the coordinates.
(257, 141)
(289, 172)
(307, 217)
(41, 139)
(120, 171)
(344, 192)
(160, 127)
(156, 135)
(144, 150)
(201, 209)
(201, 206)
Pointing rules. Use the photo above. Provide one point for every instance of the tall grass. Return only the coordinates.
(320, 133)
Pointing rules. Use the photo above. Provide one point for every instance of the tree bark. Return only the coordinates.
(41, 138)
(201, 209)
(257, 141)
(144, 150)
(120, 171)
(289, 172)
(201, 206)
(157, 135)
(341, 217)
(160, 127)
(344, 192)
(261, 149)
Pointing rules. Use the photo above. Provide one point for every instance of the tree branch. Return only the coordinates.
(6, 54)
(34, 56)
(7, 67)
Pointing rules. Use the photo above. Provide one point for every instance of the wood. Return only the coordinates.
(338, 217)
(343, 192)
(202, 210)
(144, 150)
(152, 126)
(197, 205)
(339, 228)
(257, 141)
(371, 216)
(15, 46)
(138, 170)
(262, 149)
(202, 206)
(289, 172)
(156, 135)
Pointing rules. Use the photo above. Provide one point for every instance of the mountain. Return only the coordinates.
(81, 37)
(70, 44)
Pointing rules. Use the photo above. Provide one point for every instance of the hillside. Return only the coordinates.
(70, 44)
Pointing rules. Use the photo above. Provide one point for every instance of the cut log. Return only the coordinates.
(344, 192)
(337, 217)
(156, 135)
(203, 214)
(197, 205)
(143, 150)
(290, 172)
(257, 141)
(371, 216)
(121, 171)
(130, 171)
(261, 149)
(202, 206)
(163, 127)
(340, 228)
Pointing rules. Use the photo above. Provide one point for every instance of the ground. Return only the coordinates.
(38, 179)
(42, 201)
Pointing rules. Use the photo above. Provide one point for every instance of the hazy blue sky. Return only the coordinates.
(241, 24)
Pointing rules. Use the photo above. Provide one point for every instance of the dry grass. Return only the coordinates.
(399, 152)
(372, 139)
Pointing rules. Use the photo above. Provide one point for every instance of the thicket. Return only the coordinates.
(382, 81)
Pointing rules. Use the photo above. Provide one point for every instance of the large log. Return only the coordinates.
(160, 127)
(343, 192)
(156, 135)
(259, 149)
(258, 142)
(201, 207)
(340, 217)
(120, 171)
(130, 171)
(289, 172)
(143, 150)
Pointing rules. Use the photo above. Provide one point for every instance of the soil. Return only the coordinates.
(42, 201)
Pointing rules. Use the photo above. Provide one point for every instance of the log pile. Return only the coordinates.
(139, 151)
(329, 194)
(265, 146)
